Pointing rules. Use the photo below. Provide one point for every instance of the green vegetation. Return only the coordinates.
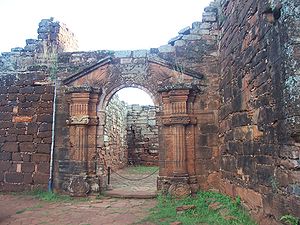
(29, 209)
(142, 169)
(289, 219)
(210, 208)
(53, 197)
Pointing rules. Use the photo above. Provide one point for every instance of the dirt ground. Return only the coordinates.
(19, 209)
(26, 210)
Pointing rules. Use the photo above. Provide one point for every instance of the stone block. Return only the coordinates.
(10, 147)
(27, 167)
(1, 176)
(5, 165)
(26, 90)
(26, 157)
(5, 116)
(192, 37)
(46, 134)
(196, 24)
(173, 40)
(22, 119)
(32, 128)
(47, 97)
(25, 138)
(14, 177)
(5, 156)
(40, 157)
(140, 53)
(209, 17)
(33, 97)
(166, 48)
(16, 156)
(43, 148)
(6, 124)
(200, 31)
(209, 128)
(123, 54)
(253, 199)
(185, 31)
(43, 167)
(26, 147)
(47, 118)
(28, 178)
(265, 174)
(40, 178)
(39, 90)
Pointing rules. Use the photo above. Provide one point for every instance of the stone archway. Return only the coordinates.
(172, 90)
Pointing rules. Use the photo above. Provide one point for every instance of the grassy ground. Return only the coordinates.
(210, 208)
(51, 196)
(142, 169)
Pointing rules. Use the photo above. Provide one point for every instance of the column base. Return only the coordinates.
(175, 186)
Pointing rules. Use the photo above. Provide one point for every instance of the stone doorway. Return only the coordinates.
(173, 89)
(130, 141)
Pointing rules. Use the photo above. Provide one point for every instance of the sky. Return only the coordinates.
(99, 24)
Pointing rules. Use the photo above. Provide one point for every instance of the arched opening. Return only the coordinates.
(130, 138)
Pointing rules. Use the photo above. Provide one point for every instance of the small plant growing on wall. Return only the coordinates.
(290, 219)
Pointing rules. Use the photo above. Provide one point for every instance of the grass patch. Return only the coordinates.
(142, 169)
(29, 209)
(54, 197)
(211, 208)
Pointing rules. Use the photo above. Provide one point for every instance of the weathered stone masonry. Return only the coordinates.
(259, 114)
(142, 135)
(227, 89)
(115, 153)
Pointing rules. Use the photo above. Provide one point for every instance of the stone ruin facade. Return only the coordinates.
(227, 89)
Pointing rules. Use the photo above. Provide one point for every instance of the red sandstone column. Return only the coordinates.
(83, 126)
(178, 117)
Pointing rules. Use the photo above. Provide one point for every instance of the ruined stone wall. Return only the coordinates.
(260, 160)
(114, 153)
(25, 132)
(26, 77)
(142, 135)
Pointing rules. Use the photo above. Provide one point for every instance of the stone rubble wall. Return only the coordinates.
(53, 37)
(259, 111)
(142, 135)
(114, 153)
(25, 133)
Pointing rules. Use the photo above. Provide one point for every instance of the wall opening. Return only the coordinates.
(130, 130)
(130, 140)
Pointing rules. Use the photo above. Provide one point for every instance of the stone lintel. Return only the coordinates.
(179, 86)
(83, 89)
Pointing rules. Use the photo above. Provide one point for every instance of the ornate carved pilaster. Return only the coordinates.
(83, 123)
(177, 117)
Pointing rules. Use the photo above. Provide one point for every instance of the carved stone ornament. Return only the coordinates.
(180, 190)
(184, 120)
(78, 187)
(79, 120)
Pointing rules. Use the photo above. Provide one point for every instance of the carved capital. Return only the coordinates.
(79, 120)
(83, 120)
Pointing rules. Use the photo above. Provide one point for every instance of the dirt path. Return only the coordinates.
(129, 181)
(18, 209)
